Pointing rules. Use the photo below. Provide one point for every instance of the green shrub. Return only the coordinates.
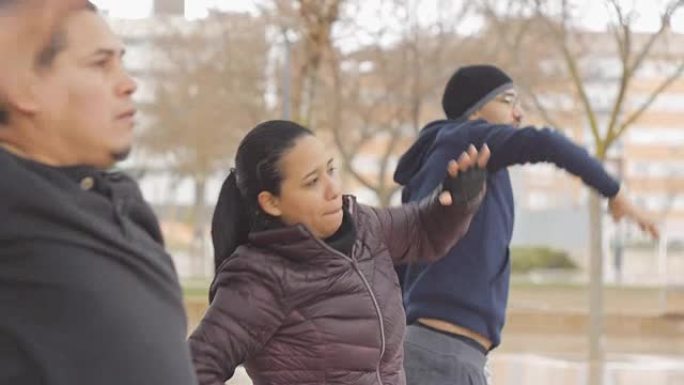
(526, 259)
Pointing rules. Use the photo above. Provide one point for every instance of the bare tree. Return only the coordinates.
(607, 122)
(209, 90)
(381, 107)
(633, 51)
(380, 90)
(632, 56)
(312, 23)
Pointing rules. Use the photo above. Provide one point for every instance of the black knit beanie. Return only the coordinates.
(471, 87)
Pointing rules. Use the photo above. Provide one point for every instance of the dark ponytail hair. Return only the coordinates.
(257, 169)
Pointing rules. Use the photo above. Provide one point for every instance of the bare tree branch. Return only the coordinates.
(571, 62)
(623, 37)
(649, 101)
(664, 26)
(348, 159)
(621, 30)
(546, 115)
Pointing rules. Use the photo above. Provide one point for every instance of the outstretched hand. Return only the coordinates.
(620, 207)
(466, 176)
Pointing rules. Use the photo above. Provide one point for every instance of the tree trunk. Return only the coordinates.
(596, 337)
(385, 197)
(199, 214)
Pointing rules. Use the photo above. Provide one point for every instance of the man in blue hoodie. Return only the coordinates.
(456, 306)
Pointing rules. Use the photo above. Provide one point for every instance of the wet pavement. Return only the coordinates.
(534, 369)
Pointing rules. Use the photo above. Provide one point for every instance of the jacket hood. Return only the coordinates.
(412, 160)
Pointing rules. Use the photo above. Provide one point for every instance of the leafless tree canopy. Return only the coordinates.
(371, 89)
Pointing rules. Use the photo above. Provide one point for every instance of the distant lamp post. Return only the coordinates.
(596, 332)
(287, 75)
(618, 252)
(616, 164)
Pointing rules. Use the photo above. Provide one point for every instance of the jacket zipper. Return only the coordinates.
(372, 295)
(380, 318)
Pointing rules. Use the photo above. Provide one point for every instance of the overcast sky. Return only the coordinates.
(593, 13)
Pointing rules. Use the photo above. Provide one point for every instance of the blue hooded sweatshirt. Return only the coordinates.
(469, 286)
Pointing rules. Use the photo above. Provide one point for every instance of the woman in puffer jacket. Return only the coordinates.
(305, 290)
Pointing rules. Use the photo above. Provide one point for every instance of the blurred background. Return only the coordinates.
(367, 75)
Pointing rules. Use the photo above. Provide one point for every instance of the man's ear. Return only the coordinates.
(24, 98)
(475, 115)
(269, 203)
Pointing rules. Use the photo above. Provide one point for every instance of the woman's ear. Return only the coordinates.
(269, 203)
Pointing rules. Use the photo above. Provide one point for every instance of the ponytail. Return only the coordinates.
(231, 222)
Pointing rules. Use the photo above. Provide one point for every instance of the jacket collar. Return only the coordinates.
(296, 242)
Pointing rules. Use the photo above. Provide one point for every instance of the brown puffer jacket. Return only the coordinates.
(296, 311)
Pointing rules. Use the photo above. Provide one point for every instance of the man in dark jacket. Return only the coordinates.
(87, 293)
(456, 306)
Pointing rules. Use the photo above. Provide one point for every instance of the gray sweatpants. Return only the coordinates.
(432, 358)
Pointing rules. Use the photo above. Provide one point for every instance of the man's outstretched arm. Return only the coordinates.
(515, 146)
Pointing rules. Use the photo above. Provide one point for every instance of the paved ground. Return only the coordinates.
(534, 369)
(545, 337)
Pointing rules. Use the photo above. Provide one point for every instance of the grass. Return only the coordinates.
(199, 288)
(195, 288)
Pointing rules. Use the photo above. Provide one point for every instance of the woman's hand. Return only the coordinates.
(466, 177)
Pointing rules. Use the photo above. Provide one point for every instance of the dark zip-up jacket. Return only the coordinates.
(87, 293)
(296, 311)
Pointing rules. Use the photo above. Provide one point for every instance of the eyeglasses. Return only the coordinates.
(512, 100)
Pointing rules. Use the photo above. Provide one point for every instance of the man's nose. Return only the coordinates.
(518, 113)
